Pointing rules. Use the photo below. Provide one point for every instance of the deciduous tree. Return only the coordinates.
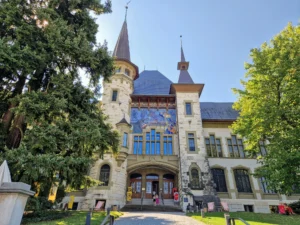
(269, 109)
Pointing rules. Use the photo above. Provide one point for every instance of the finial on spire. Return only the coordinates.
(126, 7)
(181, 40)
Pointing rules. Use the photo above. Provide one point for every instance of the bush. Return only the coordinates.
(38, 204)
(39, 216)
(296, 207)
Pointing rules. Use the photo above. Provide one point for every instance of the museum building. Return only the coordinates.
(170, 139)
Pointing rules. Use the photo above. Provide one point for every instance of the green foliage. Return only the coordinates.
(76, 218)
(269, 109)
(51, 126)
(217, 218)
(38, 204)
(295, 206)
(44, 216)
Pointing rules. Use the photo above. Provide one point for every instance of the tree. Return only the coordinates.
(52, 128)
(269, 109)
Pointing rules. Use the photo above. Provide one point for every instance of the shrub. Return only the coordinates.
(38, 204)
(44, 216)
(295, 206)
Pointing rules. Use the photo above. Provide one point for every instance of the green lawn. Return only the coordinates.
(78, 218)
(251, 218)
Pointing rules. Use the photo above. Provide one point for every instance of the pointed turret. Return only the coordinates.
(122, 47)
(122, 52)
(184, 76)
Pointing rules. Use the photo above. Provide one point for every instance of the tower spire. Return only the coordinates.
(122, 46)
(184, 76)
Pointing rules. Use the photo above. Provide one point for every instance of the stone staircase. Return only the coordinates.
(135, 205)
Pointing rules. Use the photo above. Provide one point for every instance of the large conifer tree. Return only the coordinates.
(50, 123)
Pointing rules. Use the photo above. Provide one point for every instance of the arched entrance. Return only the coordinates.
(152, 179)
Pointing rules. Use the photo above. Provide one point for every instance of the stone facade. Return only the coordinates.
(163, 146)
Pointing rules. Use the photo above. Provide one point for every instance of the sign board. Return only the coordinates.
(176, 197)
(185, 199)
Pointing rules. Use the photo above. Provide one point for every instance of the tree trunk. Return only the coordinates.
(8, 115)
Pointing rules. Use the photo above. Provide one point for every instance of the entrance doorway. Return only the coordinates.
(136, 185)
(155, 187)
(152, 184)
(168, 185)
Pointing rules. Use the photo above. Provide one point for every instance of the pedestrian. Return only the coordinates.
(156, 199)
(188, 207)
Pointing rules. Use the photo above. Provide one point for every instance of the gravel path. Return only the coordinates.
(156, 218)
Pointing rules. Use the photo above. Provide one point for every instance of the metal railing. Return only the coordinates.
(142, 199)
(231, 221)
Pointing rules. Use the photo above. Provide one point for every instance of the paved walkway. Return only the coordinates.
(156, 218)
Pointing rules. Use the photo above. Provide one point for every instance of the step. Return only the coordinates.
(151, 208)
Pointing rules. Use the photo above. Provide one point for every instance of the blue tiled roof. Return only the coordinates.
(152, 82)
(218, 111)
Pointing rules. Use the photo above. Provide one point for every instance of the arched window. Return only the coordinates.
(104, 175)
(195, 183)
(242, 180)
(219, 179)
(118, 70)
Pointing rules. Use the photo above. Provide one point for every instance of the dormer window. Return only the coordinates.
(127, 72)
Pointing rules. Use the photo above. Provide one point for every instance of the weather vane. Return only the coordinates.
(126, 9)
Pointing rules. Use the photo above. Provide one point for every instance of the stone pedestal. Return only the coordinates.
(13, 198)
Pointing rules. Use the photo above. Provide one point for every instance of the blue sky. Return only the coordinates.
(217, 36)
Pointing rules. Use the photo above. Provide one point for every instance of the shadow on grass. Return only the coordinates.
(252, 218)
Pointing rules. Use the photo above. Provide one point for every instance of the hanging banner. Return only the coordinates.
(176, 197)
(70, 204)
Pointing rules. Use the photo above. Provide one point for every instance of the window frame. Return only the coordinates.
(231, 154)
(185, 108)
(104, 184)
(262, 145)
(140, 142)
(198, 187)
(240, 187)
(112, 95)
(225, 189)
(127, 72)
(125, 134)
(213, 145)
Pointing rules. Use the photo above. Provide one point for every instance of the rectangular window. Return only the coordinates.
(152, 142)
(138, 145)
(118, 70)
(168, 146)
(114, 96)
(213, 146)
(147, 143)
(264, 186)
(236, 147)
(262, 148)
(125, 137)
(191, 140)
(188, 108)
(157, 143)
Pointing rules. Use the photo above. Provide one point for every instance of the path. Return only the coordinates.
(156, 218)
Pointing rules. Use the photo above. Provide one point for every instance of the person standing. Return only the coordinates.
(154, 199)
(157, 199)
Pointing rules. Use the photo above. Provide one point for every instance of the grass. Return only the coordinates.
(78, 218)
(251, 218)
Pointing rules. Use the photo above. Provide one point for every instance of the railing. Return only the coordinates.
(109, 218)
(228, 220)
(142, 199)
(162, 199)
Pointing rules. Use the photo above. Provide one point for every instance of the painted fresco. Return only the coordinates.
(141, 118)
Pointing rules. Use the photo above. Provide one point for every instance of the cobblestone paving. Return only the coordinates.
(156, 218)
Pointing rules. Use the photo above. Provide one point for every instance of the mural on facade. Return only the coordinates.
(141, 118)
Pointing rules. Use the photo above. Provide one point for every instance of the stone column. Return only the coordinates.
(161, 182)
